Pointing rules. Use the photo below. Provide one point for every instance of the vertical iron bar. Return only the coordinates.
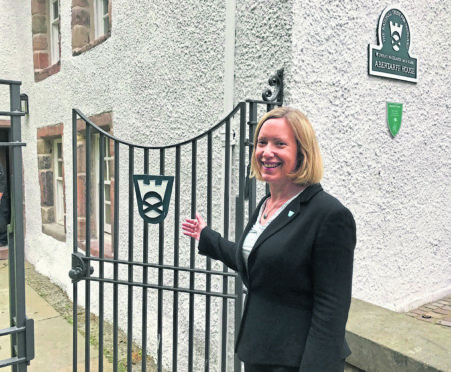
(175, 309)
(226, 236)
(208, 260)
(17, 261)
(131, 164)
(145, 278)
(252, 124)
(239, 222)
(192, 257)
(75, 235)
(116, 258)
(88, 247)
(101, 244)
(160, 278)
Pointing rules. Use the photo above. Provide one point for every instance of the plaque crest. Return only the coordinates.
(390, 58)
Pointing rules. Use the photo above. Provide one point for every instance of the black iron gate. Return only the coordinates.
(21, 330)
(147, 280)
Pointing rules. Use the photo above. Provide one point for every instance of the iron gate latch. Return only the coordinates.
(79, 268)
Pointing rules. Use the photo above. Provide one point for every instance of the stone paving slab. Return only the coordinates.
(437, 312)
(53, 334)
(385, 341)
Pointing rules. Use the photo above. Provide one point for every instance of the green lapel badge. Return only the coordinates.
(394, 117)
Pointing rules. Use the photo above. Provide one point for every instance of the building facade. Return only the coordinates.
(162, 71)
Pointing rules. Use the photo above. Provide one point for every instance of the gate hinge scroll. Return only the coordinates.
(79, 269)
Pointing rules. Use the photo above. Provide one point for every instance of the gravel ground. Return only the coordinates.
(58, 299)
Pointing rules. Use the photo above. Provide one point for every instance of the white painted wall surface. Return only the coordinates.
(164, 73)
(398, 188)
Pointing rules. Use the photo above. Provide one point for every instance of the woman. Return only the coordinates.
(295, 255)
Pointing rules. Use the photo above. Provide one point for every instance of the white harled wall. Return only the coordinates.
(166, 74)
(398, 188)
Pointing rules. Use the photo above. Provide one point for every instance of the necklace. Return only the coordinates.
(267, 213)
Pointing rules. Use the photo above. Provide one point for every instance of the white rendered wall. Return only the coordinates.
(398, 188)
(164, 74)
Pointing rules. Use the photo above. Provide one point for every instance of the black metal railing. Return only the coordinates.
(155, 259)
(21, 330)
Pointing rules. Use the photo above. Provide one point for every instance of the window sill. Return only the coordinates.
(55, 231)
(48, 71)
(92, 44)
(94, 249)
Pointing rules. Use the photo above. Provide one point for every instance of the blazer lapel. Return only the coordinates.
(239, 252)
(287, 215)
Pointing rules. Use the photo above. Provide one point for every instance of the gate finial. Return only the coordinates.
(276, 81)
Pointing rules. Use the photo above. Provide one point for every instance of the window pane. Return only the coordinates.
(59, 150)
(107, 193)
(55, 12)
(60, 169)
(59, 202)
(107, 214)
(106, 25)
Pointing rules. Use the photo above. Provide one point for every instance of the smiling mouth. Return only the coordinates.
(271, 165)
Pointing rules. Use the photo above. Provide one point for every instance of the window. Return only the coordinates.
(91, 24)
(102, 25)
(54, 30)
(58, 181)
(97, 185)
(108, 171)
(45, 15)
(51, 180)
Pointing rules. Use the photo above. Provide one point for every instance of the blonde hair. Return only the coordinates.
(309, 168)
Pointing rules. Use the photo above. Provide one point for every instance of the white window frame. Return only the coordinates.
(54, 30)
(58, 182)
(106, 183)
(101, 16)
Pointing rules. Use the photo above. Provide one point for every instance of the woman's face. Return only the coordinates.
(276, 151)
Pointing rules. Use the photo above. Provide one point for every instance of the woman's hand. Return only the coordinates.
(193, 228)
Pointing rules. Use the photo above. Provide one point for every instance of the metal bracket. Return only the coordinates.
(79, 269)
(276, 81)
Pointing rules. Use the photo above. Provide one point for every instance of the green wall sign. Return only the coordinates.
(390, 58)
(394, 117)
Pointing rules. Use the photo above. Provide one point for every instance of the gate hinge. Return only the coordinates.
(79, 268)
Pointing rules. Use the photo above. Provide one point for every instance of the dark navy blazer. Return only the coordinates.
(299, 282)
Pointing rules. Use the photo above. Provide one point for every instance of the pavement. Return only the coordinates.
(421, 337)
(53, 333)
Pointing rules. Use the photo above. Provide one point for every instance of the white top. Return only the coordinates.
(256, 230)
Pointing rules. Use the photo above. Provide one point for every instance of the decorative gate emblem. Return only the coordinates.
(394, 117)
(153, 194)
(390, 58)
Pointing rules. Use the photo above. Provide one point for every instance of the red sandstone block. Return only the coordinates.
(103, 120)
(80, 36)
(41, 60)
(80, 16)
(43, 146)
(38, 24)
(46, 182)
(38, 7)
(81, 195)
(40, 42)
(82, 3)
(81, 228)
(51, 131)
